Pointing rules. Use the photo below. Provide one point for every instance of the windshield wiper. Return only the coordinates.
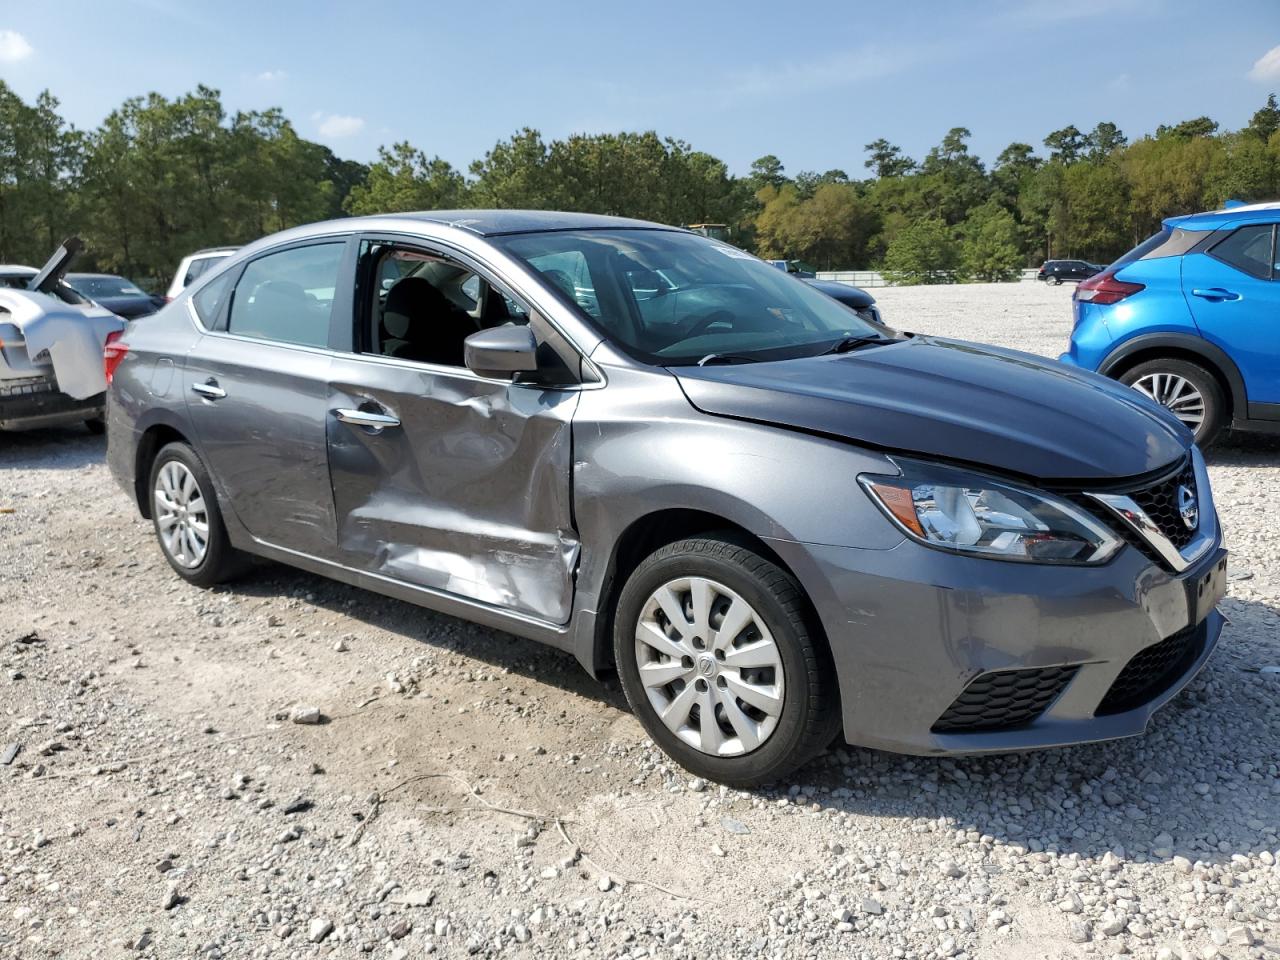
(853, 343)
(727, 358)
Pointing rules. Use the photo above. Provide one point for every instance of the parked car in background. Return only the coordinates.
(52, 343)
(1190, 318)
(855, 298)
(797, 268)
(15, 276)
(194, 266)
(122, 297)
(1056, 271)
(773, 518)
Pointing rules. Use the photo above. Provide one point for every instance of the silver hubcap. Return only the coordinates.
(1175, 392)
(710, 666)
(181, 515)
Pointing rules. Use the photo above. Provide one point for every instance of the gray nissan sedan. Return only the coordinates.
(777, 520)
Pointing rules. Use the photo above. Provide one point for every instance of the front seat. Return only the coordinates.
(419, 323)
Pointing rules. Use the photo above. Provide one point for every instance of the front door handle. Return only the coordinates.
(209, 389)
(366, 418)
(1215, 293)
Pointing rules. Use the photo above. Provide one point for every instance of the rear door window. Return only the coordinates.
(288, 296)
(1248, 249)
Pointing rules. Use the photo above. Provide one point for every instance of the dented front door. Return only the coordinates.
(452, 482)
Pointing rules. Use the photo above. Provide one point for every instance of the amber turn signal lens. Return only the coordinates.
(899, 502)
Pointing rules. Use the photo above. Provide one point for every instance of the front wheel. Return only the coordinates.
(716, 657)
(1190, 392)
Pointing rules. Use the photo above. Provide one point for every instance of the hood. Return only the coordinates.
(958, 401)
(855, 297)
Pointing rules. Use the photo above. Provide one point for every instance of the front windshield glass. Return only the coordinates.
(675, 298)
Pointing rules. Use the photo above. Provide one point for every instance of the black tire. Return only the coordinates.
(1215, 404)
(809, 715)
(1055, 280)
(221, 561)
(96, 425)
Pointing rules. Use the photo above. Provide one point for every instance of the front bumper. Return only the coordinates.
(910, 628)
(29, 404)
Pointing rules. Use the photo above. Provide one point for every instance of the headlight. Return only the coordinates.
(968, 513)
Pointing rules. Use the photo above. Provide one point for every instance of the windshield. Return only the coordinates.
(106, 287)
(676, 298)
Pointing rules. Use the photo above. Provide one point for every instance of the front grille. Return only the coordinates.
(1005, 699)
(1152, 671)
(1160, 503)
(1158, 500)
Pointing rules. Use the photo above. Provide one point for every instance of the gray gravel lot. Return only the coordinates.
(468, 793)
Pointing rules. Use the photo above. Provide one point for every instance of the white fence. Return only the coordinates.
(871, 278)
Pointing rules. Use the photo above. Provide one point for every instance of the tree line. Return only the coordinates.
(162, 177)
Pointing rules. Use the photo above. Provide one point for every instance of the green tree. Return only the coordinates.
(952, 181)
(1188, 129)
(887, 160)
(514, 174)
(1065, 145)
(990, 247)
(1266, 121)
(404, 178)
(767, 171)
(1104, 140)
(923, 252)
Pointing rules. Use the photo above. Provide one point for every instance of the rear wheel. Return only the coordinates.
(1189, 391)
(715, 655)
(188, 524)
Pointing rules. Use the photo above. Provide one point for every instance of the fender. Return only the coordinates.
(1185, 343)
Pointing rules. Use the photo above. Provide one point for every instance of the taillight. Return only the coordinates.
(113, 351)
(1105, 288)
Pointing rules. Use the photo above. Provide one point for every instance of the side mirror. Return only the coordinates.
(501, 351)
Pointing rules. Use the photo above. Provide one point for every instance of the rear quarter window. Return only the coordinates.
(1248, 249)
(208, 299)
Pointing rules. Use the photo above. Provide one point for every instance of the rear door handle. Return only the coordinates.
(1215, 293)
(209, 389)
(366, 418)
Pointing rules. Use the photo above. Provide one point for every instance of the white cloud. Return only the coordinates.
(1267, 67)
(270, 76)
(336, 125)
(14, 47)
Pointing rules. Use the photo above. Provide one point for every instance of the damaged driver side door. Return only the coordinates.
(443, 479)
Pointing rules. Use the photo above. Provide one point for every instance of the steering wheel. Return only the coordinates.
(701, 326)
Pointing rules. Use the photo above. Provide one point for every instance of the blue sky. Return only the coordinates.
(811, 82)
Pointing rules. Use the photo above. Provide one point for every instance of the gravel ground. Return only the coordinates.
(468, 793)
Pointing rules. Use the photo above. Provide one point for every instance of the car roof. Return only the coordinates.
(214, 251)
(1213, 219)
(494, 223)
(17, 268)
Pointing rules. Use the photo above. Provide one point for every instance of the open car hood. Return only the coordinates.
(957, 401)
(71, 336)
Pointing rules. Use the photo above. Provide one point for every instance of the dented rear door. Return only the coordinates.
(466, 493)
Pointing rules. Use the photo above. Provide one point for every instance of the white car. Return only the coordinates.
(52, 345)
(195, 265)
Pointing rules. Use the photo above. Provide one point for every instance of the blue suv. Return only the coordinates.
(1191, 317)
